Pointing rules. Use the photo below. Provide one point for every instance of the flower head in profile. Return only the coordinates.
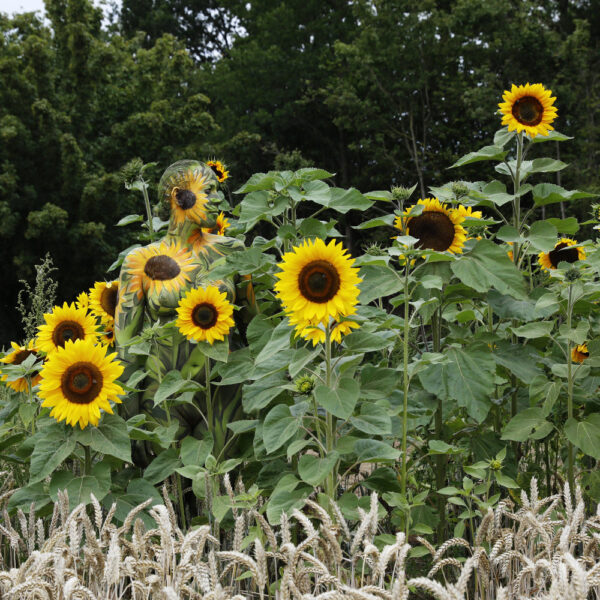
(103, 300)
(565, 250)
(78, 381)
(579, 353)
(219, 170)
(221, 224)
(205, 315)
(16, 357)
(438, 227)
(528, 108)
(317, 281)
(82, 301)
(65, 323)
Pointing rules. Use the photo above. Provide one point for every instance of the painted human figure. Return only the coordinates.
(154, 278)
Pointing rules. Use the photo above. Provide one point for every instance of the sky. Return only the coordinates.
(12, 6)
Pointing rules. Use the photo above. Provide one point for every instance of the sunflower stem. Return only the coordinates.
(570, 387)
(440, 459)
(209, 406)
(87, 465)
(405, 382)
(148, 209)
(516, 199)
(331, 478)
(181, 504)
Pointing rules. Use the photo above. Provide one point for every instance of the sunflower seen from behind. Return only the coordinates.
(317, 281)
(103, 300)
(565, 250)
(438, 227)
(205, 315)
(65, 323)
(528, 108)
(16, 357)
(579, 353)
(219, 169)
(78, 381)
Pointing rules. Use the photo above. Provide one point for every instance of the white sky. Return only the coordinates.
(12, 6)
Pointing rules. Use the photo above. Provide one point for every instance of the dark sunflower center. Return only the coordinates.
(67, 330)
(583, 352)
(319, 281)
(161, 267)
(434, 230)
(204, 315)
(22, 355)
(563, 252)
(185, 199)
(528, 110)
(108, 299)
(81, 383)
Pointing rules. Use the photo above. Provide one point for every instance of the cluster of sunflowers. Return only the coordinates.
(78, 377)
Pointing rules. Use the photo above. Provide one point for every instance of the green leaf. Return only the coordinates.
(312, 173)
(340, 401)
(376, 382)
(279, 426)
(519, 360)
(378, 281)
(110, 437)
(80, 488)
(313, 228)
(172, 383)
(129, 219)
(385, 221)
(486, 153)
(51, 449)
(279, 340)
(532, 331)
(363, 341)
(219, 350)
(380, 195)
(553, 136)
(585, 434)
(549, 193)
(242, 426)
(524, 425)
(488, 266)
(195, 452)
(503, 136)
(373, 419)
(542, 236)
(25, 496)
(285, 497)
(440, 447)
(313, 470)
(260, 393)
(258, 181)
(162, 466)
(343, 200)
(375, 451)
(570, 226)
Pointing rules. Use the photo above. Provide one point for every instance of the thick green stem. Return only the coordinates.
(570, 388)
(516, 199)
(330, 424)
(181, 504)
(440, 459)
(405, 380)
(148, 208)
(87, 466)
(209, 405)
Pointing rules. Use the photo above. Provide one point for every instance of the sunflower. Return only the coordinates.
(221, 224)
(579, 353)
(189, 195)
(65, 323)
(467, 211)
(103, 300)
(563, 252)
(437, 227)
(82, 301)
(108, 335)
(528, 108)
(157, 267)
(205, 315)
(315, 332)
(16, 357)
(219, 170)
(79, 380)
(317, 281)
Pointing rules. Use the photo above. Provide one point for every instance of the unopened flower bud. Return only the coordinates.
(401, 193)
(459, 189)
(305, 384)
(572, 274)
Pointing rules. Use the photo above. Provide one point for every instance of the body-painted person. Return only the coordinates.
(154, 278)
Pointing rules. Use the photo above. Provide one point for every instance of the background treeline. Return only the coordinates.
(380, 92)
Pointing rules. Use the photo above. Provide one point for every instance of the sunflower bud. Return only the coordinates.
(132, 171)
(459, 189)
(305, 384)
(374, 249)
(495, 464)
(401, 193)
(572, 274)
(596, 211)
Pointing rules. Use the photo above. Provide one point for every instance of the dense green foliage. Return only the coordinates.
(378, 93)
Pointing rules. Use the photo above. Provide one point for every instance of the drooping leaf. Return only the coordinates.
(340, 401)
(585, 434)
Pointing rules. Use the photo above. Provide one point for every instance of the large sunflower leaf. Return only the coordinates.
(340, 401)
(279, 426)
(485, 153)
(467, 377)
(553, 136)
(50, 450)
(549, 193)
(378, 281)
(313, 470)
(110, 437)
(488, 266)
(585, 434)
(525, 425)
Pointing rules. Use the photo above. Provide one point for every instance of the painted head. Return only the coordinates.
(187, 191)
